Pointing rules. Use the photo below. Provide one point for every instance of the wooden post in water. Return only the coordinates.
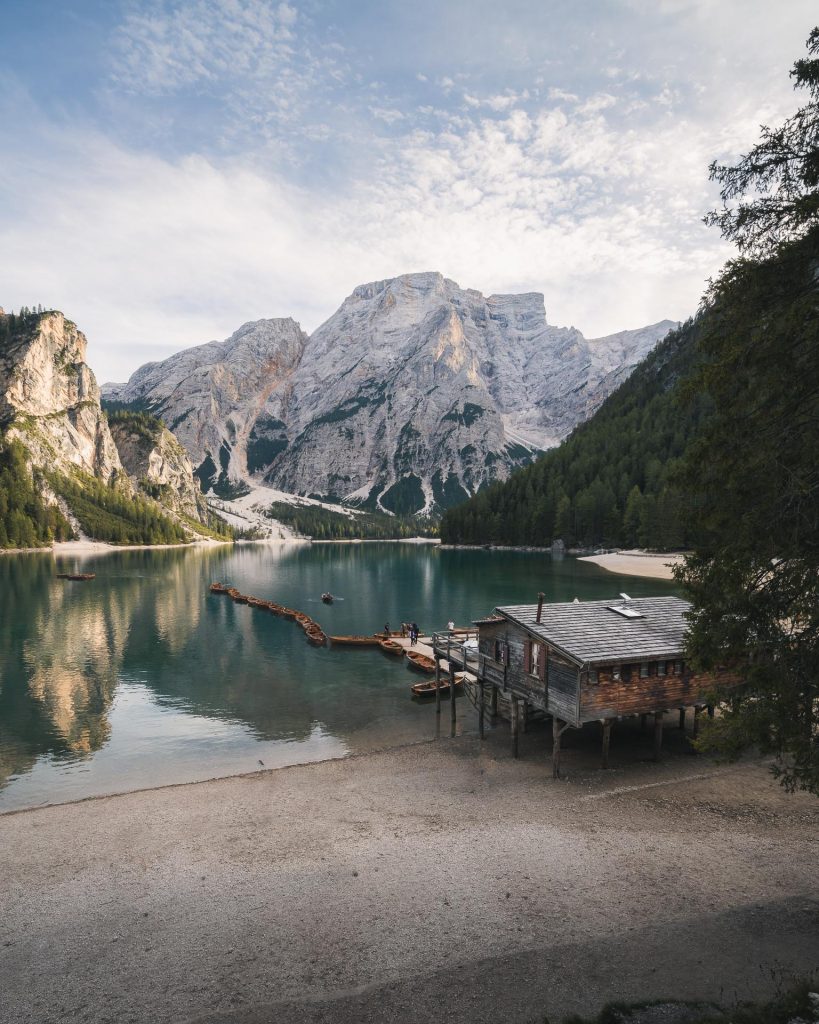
(513, 723)
(682, 718)
(556, 731)
(658, 734)
(481, 707)
(524, 722)
(606, 741)
(437, 684)
(452, 712)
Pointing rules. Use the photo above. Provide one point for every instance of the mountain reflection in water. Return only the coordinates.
(142, 677)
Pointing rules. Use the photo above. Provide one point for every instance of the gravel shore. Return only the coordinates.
(442, 881)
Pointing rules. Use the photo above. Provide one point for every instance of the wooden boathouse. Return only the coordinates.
(588, 661)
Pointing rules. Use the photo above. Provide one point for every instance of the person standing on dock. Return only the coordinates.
(387, 630)
(450, 626)
(413, 634)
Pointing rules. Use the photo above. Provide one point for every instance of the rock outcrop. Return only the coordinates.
(413, 395)
(158, 464)
(50, 400)
(225, 400)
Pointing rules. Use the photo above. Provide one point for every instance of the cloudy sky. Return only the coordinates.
(172, 169)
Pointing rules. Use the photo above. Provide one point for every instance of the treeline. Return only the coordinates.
(12, 323)
(26, 521)
(106, 512)
(324, 524)
(611, 483)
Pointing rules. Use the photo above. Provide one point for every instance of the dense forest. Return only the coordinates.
(324, 524)
(25, 519)
(109, 513)
(611, 483)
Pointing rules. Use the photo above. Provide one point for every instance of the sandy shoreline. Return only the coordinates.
(442, 881)
(637, 563)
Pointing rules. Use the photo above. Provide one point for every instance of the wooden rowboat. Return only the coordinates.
(76, 576)
(356, 641)
(427, 688)
(391, 647)
(420, 662)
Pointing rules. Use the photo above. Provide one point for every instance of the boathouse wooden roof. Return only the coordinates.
(598, 632)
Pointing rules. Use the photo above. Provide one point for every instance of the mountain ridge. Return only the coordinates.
(413, 395)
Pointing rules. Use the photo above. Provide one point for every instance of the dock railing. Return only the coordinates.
(453, 647)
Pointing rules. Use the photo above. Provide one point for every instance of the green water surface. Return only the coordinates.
(141, 677)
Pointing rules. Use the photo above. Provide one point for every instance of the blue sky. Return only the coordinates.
(174, 169)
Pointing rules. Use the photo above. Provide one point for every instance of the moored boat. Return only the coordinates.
(79, 576)
(427, 688)
(391, 647)
(356, 641)
(420, 662)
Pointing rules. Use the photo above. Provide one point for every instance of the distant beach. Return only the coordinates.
(637, 563)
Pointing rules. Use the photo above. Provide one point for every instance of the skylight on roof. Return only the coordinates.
(626, 611)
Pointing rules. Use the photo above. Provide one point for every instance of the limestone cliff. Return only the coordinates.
(158, 464)
(49, 397)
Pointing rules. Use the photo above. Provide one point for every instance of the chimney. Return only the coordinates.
(540, 598)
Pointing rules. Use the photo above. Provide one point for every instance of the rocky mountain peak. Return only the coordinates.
(413, 394)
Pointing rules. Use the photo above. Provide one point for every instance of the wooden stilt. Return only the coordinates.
(493, 709)
(437, 686)
(710, 710)
(643, 720)
(481, 708)
(556, 731)
(524, 719)
(513, 723)
(452, 702)
(682, 718)
(606, 741)
(696, 729)
(658, 734)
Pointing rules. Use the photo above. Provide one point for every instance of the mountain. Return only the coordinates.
(611, 482)
(60, 468)
(49, 398)
(224, 400)
(413, 395)
(157, 463)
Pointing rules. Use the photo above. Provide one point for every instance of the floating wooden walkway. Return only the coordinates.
(312, 630)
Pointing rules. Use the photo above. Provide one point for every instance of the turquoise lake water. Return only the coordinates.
(141, 677)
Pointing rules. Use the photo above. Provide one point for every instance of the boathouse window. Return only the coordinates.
(502, 652)
(660, 668)
(625, 673)
(594, 677)
(534, 658)
(615, 673)
(644, 670)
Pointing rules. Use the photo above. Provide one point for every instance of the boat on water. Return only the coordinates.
(327, 598)
(80, 576)
(427, 688)
(390, 646)
(356, 641)
(420, 662)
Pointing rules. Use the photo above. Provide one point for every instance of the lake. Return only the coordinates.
(141, 677)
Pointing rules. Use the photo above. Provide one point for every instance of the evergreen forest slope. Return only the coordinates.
(611, 481)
